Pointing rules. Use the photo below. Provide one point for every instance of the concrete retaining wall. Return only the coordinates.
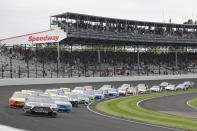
(31, 81)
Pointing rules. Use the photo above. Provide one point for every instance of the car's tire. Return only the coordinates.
(53, 115)
(27, 113)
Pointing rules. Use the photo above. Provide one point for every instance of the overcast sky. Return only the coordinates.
(18, 17)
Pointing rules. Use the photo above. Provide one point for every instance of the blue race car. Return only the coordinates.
(98, 95)
(181, 87)
(113, 93)
(63, 103)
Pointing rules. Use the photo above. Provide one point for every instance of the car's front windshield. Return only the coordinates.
(20, 95)
(122, 89)
(73, 96)
(156, 87)
(98, 92)
(40, 99)
(141, 87)
(79, 88)
(106, 86)
(88, 87)
(90, 93)
(112, 90)
(63, 99)
(66, 90)
(51, 92)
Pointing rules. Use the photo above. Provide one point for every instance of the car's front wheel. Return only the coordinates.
(52, 114)
(27, 113)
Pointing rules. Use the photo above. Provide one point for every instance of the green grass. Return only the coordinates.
(193, 102)
(127, 108)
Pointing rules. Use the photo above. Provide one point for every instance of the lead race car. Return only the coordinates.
(42, 105)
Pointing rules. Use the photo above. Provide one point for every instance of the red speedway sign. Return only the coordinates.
(43, 38)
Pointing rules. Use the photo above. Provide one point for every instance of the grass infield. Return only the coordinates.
(193, 102)
(127, 108)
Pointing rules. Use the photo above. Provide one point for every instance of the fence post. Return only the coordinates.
(19, 71)
(36, 70)
(27, 68)
(57, 69)
(10, 66)
(2, 70)
(63, 71)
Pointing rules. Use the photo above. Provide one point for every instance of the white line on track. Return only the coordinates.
(141, 123)
(8, 128)
(191, 105)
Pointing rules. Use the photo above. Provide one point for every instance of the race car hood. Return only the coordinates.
(112, 92)
(98, 95)
(62, 103)
(170, 88)
(154, 89)
(141, 89)
(180, 87)
(121, 91)
(19, 99)
(41, 104)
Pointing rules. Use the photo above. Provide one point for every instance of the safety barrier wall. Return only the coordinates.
(32, 81)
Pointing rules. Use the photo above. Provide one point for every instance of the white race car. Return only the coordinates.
(156, 88)
(122, 90)
(170, 88)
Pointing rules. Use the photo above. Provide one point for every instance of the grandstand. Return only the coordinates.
(101, 46)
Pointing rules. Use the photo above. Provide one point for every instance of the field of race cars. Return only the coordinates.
(59, 100)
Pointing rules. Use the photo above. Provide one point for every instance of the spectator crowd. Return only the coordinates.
(87, 63)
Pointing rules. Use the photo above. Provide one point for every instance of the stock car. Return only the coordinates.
(54, 91)
(89, 88)
(83, 99)
(34, 92)
(98, 95)
(156, 88)
(67, 91)
(90, 95)
(170, 88)
(17, 100)
(132, 90)
(77, 90)
(63, 103)
(181, 87)
(112, 92)
(73, 100)
(188, 84)
(105, 89)
(40, 105)
(163, 85)
(143, 88)
(122, 90)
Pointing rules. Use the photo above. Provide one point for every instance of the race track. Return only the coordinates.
(79, 119)
(173, 105)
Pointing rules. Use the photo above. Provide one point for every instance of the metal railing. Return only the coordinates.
(129, 37)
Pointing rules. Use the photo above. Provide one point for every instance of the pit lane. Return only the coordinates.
(78, 119)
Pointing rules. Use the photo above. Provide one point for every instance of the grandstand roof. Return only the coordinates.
(114, 20)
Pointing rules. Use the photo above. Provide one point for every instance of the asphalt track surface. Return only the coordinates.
(173, 105)
(79, 119)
